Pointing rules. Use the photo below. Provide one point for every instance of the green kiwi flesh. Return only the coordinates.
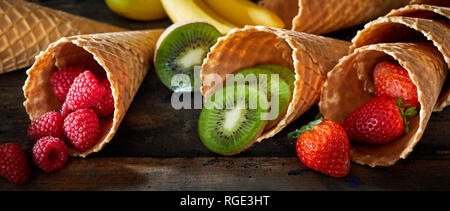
(180, 50)
(281, 89)
(285, 73)
(231, 119)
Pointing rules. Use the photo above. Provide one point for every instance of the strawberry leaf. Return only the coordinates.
(297, 133)
(294, 134)
(410, 112)
(399, 101)
(309, 127)
(315, 122)
(405, 104)
(319, 116)
(407, 127)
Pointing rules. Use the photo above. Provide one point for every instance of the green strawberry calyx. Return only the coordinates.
(309, 127)
(410, 112)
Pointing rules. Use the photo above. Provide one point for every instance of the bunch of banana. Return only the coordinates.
(142, 10)
(223, 14)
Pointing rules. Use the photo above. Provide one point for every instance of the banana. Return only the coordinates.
(142, 10)
(245, 12)
(181, 10)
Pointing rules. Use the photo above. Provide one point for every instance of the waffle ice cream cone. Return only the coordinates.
(309, 56)
(27, 28)
(124, 56)
(443, 3)
(439, 40)
(324, 16)
(350, 85)
(417, 38)
(413, 22)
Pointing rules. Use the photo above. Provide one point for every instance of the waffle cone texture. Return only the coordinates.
(27, 28)
(417, 38)
(324, 16)
(309, 56)
(124, 56)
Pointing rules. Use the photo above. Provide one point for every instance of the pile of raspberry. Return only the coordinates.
(86, 98)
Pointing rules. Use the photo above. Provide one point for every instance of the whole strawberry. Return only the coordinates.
(392, 80)
(62, 79)
(13, 163)
(379, 120)
(323, 146)
(81, 128)
(49, 124)
(50, 154)
(85, 92)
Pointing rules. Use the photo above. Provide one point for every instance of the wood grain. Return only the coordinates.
(233, 174)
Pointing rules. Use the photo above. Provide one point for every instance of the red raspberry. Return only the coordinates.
(63, 79)
(50, 154)
(106, 106)
(392, 80)
(85, 92)
(13, 163)
(49, 124)
(81, 127)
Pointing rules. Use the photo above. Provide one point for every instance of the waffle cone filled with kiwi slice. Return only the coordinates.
(125, 57)
(416, 37)
(27, 28)
(308, 57)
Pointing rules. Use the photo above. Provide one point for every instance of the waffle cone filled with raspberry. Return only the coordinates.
(27, 28)
(123, 57)
(415, 37)
(324, 16)
(310, 57)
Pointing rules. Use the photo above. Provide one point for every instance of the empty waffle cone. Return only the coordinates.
(350, 85)
(309, 56)
(27, 28)
(324, 16)
(124, 56)
(412, 23)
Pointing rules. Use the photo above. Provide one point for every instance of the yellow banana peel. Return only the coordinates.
(245, 12)
(182, 10)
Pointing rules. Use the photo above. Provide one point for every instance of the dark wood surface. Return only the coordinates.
(158, 148)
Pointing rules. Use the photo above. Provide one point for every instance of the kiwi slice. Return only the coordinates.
(285, 73)
(280, 89)
(181, 48)
(231, 119)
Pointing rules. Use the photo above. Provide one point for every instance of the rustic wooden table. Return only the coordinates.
(158, 148)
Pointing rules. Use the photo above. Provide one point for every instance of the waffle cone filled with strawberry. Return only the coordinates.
(324, 16)
(80, 87)
(301, 60)
(27, 28)
(397, 63)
